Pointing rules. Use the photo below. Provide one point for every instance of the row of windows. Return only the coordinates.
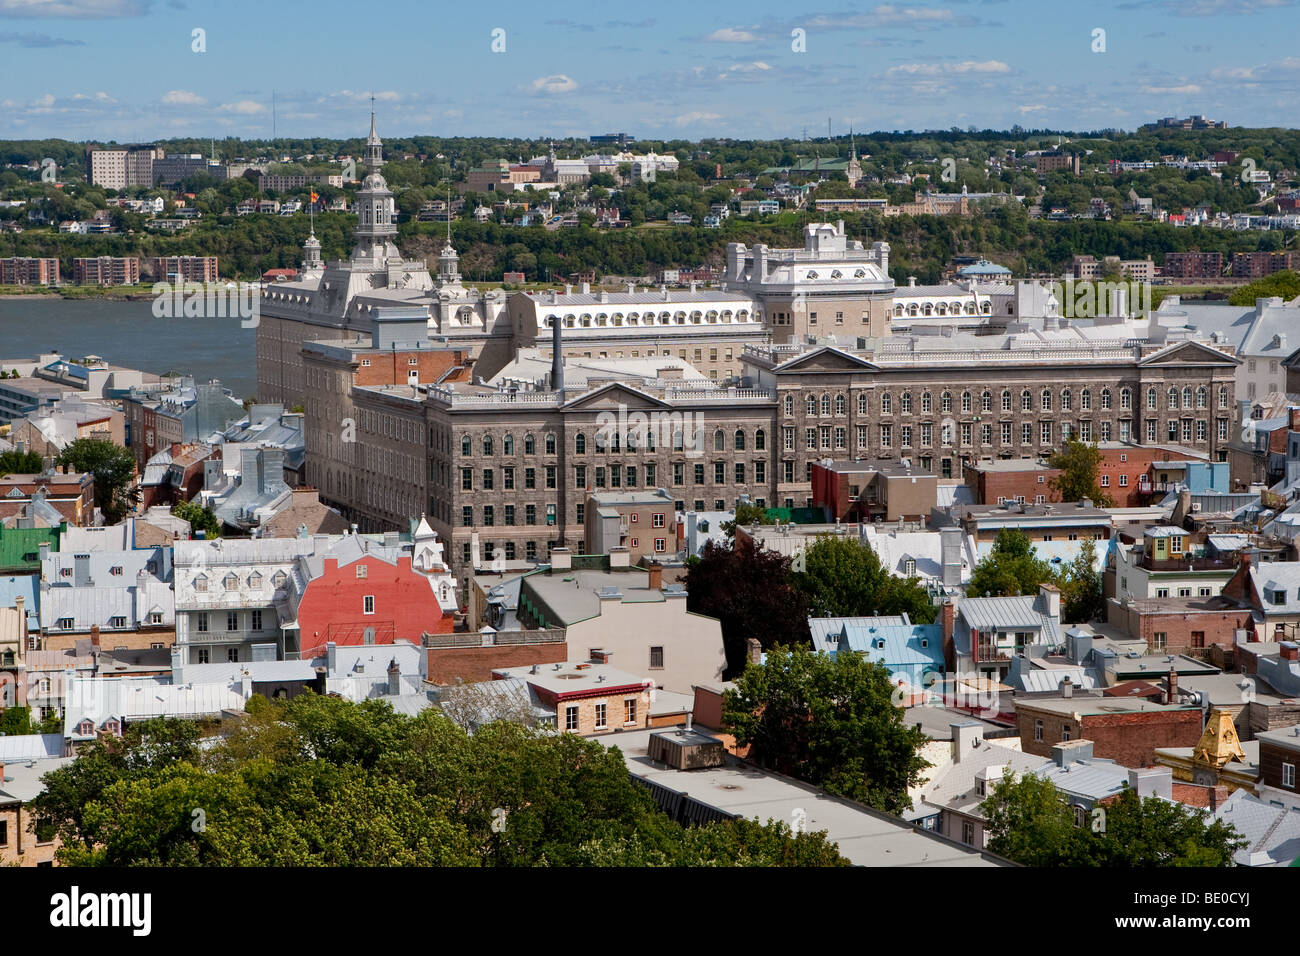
(203, 623)
(611, 440)
(1006, 400)
(232, 581)
(587, 320)
(488, 515)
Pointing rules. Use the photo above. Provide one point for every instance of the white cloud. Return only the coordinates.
(80, 9)
(47, 100)
(1178, 90)
(1030, 108)
(555, 83)
(966, 66)
(243, 107)
(183, 98)
(383, 96)
(686, 119)
(731, 35)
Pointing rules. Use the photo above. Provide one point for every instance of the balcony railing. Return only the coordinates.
(1187, 562)
(552, 635)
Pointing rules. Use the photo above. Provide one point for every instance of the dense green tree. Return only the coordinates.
(321, 781)
(1011, 567)
(1082, 599)
(830, 721)
(21, 463)
(748, 589)
(113, 468)
(746, 515)
(1079, 463)
(200, 518)
(1285, 284)
(843, 577)
(1028, 820)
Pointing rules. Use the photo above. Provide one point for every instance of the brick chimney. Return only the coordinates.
(94, 635)
(1172, 682)
(1289, 650)
(656, 573)
(948, 618)
(754, 650)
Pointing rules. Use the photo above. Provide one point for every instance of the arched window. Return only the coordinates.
(1085, 400)
(1223, 396)
(945, 402)
(1105, 399)
(1045, 400)
(789, 406)
(760, 440)
(580, 443)
(826, 404)
(927, 403)
(840, 405)
(1202, 397)
(1126, 398)
(530, 445)
(812, 404)
(466, 446)
(1006, 399)
(965, 401)
(1151, 398)
(1172, 397)
(1026, 401)
(1187, 397)
(508, 445)
(886, 403)
(1066, 400)
(719, 441)
(905, 402)
(739, 439)
(487, 444)
(862, 403)
(550, 443)
(986, 401)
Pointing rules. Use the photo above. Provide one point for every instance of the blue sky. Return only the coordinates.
(125, 69)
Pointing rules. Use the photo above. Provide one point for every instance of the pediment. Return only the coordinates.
(827, 359)
(614, 396)
(1190, 353)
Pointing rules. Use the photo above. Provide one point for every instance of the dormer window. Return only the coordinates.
(909, 567)
(85, 728)
(201, 583)
(231, 582)
(279, 578)
(255, 580)
(116, 569)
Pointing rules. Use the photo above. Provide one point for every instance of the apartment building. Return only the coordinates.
(184, 268)
(121, 168)
(106, 270)
(1256, 265)
(26, 270)
(1192, 265)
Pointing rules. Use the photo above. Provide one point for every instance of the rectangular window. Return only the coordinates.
(629, 710)
(570, 718)
(530, 477)
(1288, 776)
(232, 620)
(1038, 730)
(656, 658)
(719, 472)
(467, 479)
(740, 472)
(1045, 433)
(679, 473)
(699, 474)
(550, 476)
(1160, 639)
(510, 515)
(255, 620)
(657, 520)
(467, 516)
(368, 604)
(601, 710)
(1026, 433)
(232, 655)
(530, 514)
(886, 436)
(508, 478)
(203, 655)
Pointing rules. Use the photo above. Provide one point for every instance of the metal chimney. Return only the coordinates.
(557, 356)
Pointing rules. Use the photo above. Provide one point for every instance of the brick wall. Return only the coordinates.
(1128, 739)
(1181, 626)
(446, 664)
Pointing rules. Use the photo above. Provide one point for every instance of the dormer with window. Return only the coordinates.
(201, 582)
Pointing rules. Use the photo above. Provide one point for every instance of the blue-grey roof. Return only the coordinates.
(826, 630)
(1092, 780)
(1272, 833)
(26, 586)
(20, 748)
(908, 645)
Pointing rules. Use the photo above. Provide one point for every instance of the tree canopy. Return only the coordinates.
(200, 518)
(113, 469)
(1079, 463)
(830, 721)
(748, 589)
(322, 781)
(21, 463)
(843, 577)
(1028, 820)
(1011, 567)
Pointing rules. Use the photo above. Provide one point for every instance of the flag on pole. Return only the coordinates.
(314, 197)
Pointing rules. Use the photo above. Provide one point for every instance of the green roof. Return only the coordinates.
(20, 547)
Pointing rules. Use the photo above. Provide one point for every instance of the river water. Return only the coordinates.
(128, 334)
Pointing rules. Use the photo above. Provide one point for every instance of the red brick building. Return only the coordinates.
(1123, 474)
(1193, 265)
(372, 601)
(1124, 729)
(1189, 625)
(474, 655)
(73, 496)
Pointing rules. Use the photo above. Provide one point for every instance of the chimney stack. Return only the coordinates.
(754, 651)
(94, 636)
(1289, 650)
(1173, 686)
(394, 678)
(656, 576)
(557, 356)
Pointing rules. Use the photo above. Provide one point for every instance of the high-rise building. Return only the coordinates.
(124, 167)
